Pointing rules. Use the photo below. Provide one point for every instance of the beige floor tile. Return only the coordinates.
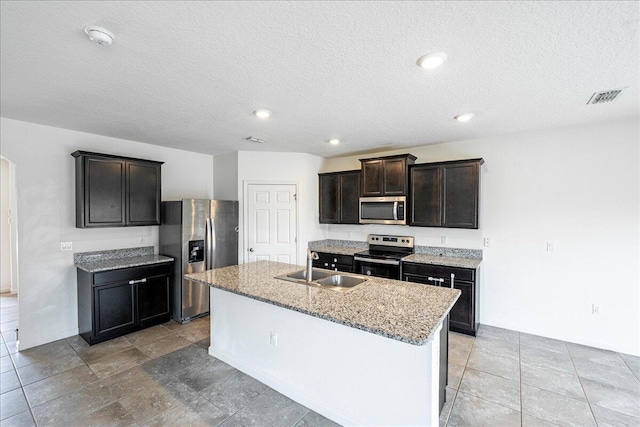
(164, 345)
(58, 385)
(147, 335)
(118, 362)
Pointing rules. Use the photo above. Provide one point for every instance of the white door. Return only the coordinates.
(272, 223)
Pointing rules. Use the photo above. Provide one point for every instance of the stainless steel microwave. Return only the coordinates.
(383, 210)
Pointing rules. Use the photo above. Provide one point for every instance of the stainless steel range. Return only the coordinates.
(383, 259)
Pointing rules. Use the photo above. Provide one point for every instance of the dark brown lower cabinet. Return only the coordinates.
(334, 262)
(465, 314)
(117, 302)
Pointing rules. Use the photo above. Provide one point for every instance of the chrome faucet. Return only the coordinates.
(310, 257)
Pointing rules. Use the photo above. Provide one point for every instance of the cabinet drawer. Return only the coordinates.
(334, 258)
(439, 271)
(132, 273)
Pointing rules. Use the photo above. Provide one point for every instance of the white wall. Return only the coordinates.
(46, 201)
(296, 167)
(225, 176)
(576, 186)
(5, 231)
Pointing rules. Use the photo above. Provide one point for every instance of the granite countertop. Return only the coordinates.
(449, 261)
(114, 259)
(404, 311)
(338, 250)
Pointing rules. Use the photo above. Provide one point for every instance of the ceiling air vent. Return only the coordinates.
(604, 96)
(254, 139)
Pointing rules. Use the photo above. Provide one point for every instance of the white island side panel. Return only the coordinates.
(348, 375)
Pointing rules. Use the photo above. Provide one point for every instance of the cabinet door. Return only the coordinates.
(153, 301)
(143, 193)
(394, 177)
(372, 178)
(329, 199)
(460, 204)
(349, 198)
(114, 309)
(104, 189)
(425, 196)
(462, 316)
(416, 278)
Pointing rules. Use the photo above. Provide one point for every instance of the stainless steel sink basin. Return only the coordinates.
(302, 275)
(342, 281)
(324, 279)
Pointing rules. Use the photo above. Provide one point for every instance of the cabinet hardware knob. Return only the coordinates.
(251, 249)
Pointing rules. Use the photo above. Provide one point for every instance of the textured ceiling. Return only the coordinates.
(189, 74)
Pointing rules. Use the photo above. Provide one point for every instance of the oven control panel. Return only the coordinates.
(397, 241)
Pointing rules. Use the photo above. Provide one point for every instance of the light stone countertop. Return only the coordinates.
(404, 311)
(98, 265)
(443, 260)
(338, 250)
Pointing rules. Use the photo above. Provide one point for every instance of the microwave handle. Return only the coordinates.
(395, 211)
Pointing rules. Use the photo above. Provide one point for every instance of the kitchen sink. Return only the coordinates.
(302, 275)
(324, 279)
(342, 281)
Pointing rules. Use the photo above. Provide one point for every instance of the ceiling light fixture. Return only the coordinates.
(464, 117)
(432, 60)
(99, 35)
(262, 113)
(334, 141)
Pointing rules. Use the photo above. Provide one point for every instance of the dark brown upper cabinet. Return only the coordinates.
(445, 194)
(386, 176)
(114, 191)
(339, 194)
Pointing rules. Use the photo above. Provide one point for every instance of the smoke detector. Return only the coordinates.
(99, 35)
(605, 96)
(254, 139)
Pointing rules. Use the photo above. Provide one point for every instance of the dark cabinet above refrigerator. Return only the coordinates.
(114, 191)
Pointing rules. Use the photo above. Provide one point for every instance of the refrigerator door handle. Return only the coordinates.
(208, 265)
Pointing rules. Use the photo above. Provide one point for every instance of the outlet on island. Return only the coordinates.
(273, 339)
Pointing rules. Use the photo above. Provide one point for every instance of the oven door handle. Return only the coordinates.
(377, 261)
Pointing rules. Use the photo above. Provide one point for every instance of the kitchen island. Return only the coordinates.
(366, 357)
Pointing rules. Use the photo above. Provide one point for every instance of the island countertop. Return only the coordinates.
(404, 311)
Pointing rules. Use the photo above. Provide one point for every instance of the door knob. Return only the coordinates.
(250, 249)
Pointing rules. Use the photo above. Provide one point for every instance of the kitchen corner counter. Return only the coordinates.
(402, 311)
(93, 262)
(448, 261)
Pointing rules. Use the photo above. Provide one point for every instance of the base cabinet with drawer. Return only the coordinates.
(465, 314)
(117, 302)
(334, 262)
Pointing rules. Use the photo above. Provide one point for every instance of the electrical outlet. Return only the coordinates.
(273, 339)
(444, 240)
(595, 309)
(141, 239)
(487, 242)
(66, 246)
(551, 247)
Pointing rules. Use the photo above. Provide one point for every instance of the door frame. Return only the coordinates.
(245, 213)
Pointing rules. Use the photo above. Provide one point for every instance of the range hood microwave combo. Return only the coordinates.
(383, 210)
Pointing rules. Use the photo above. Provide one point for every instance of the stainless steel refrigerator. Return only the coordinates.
(200, 235)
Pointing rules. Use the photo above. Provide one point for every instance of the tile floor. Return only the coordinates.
(163, 376)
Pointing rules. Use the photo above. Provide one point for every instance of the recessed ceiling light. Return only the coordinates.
(334, 141)
(262, 113)
(464, 117)
(432, 60)
(99, 35)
